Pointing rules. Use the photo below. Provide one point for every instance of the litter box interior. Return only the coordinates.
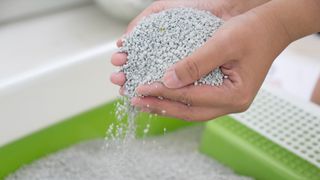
(88, 125)
(229, 139)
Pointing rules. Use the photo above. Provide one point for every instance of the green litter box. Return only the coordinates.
(229, 140)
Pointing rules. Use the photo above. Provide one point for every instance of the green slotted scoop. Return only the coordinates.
(274, 139)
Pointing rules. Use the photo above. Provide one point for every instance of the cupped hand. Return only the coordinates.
(244, 48)
(224, 9)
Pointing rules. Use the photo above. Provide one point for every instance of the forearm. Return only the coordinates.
(298, 18)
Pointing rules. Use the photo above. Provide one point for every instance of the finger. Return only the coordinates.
(201, 95)
(174, 109)
(121, 91)
(211, 55)
(118, 78)
(119, 59)
(158, 6)
(119, 43)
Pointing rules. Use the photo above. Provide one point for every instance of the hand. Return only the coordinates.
(224, 9)
(244, 47)
(204, 102)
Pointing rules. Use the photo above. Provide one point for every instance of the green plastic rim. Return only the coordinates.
(88, 125)
(224, 139)
(251, 154)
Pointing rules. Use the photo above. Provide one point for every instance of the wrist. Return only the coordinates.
(237, 7)
(298, 18)
(266, 32)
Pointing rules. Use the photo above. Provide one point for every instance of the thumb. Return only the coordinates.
(208, 57)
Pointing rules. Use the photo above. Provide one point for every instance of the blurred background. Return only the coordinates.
(54, 60)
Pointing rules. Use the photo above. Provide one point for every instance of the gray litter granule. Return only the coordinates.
(162, 39)
(173, 156)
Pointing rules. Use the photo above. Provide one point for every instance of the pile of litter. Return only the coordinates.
(157, 42)
(172, 156)
(162, 39)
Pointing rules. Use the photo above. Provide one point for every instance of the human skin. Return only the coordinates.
(316, 93)
(244, 48)
(225, 9)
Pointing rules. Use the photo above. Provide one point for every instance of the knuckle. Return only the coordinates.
(229, 43)
(192, 69)
(243, 103)
(241, 97)
(158, 90)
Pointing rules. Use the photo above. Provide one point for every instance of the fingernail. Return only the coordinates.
(170, 79)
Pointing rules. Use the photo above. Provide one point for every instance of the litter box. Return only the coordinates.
(232, 140)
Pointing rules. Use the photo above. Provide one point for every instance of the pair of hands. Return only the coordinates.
(244, 48)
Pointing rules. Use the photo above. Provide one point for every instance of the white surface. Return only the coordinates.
(31, 44)
(308, 46)
(293, 124)
(297, 69)
(54, 67)
(124, 10)
(12, 10)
